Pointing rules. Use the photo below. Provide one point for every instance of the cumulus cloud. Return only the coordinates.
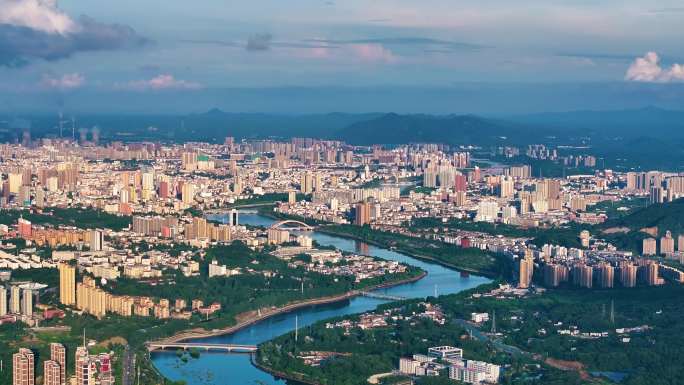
(160, 82)
(259, 42)
(41, 15)
(64, 82)
(648, 69)
(38, 29)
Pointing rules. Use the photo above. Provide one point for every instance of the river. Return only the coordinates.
(222, 368)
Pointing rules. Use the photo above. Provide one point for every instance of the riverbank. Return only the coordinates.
(322, 228)
(279, 374)
(252, 317)
(410, 253)
(256, 333)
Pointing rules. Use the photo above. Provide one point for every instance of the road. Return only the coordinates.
(128, 367)
(497, 343)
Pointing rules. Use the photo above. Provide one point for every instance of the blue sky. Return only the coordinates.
(154, 45)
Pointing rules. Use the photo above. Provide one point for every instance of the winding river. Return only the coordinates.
(222, 368)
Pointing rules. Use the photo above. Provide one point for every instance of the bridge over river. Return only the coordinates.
(371, 294)
(231, 348)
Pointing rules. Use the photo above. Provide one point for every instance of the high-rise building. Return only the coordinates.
(40, 197)
(525, 272)
(430, 178)
(189, 161)
(649, 246)
(362, 213)
(3, 301)
(83, 368)
(148, 181)
(15, 300)
(460, 183)
(652, 275)
(237, 186)
(628, 274)
(278, 236)
(507, 187)
(607, 273)
(587, 277)
(67, 284)
(657, 195)
(27, 302)
(553, 275)
(58, 355)
(188, 193)
(234, 218)
(584, 237)
(15, 181)
(487, 211)
(52, 373)
(24, 228)
(164, 189)
(667, 245)
(91, 298)
(95, 240)
(306, 184)
(518, 172)
(680, 242)
(23, 367)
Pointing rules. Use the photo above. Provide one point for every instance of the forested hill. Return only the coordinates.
(451, 129)
(666, 216)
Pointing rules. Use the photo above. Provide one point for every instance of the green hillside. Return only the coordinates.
(664, 216)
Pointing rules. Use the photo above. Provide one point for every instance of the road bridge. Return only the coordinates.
(371, 294)
(231, 348)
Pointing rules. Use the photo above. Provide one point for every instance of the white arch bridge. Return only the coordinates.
(292, 224)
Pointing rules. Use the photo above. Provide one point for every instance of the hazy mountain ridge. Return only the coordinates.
(451, 129)
(648, 121)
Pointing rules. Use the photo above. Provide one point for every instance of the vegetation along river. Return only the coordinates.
(223, 368)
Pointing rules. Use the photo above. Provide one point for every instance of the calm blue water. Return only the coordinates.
(222, 368)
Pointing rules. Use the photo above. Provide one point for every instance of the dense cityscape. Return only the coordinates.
(111, 228)
(327, 192)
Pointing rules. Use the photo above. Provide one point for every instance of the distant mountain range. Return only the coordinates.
(647, 137)
(451, 129)
(644, 122)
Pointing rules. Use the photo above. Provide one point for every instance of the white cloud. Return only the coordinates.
(160, 82)
(38, 29)
(41, 15)
(648, 69)
(66, 81)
